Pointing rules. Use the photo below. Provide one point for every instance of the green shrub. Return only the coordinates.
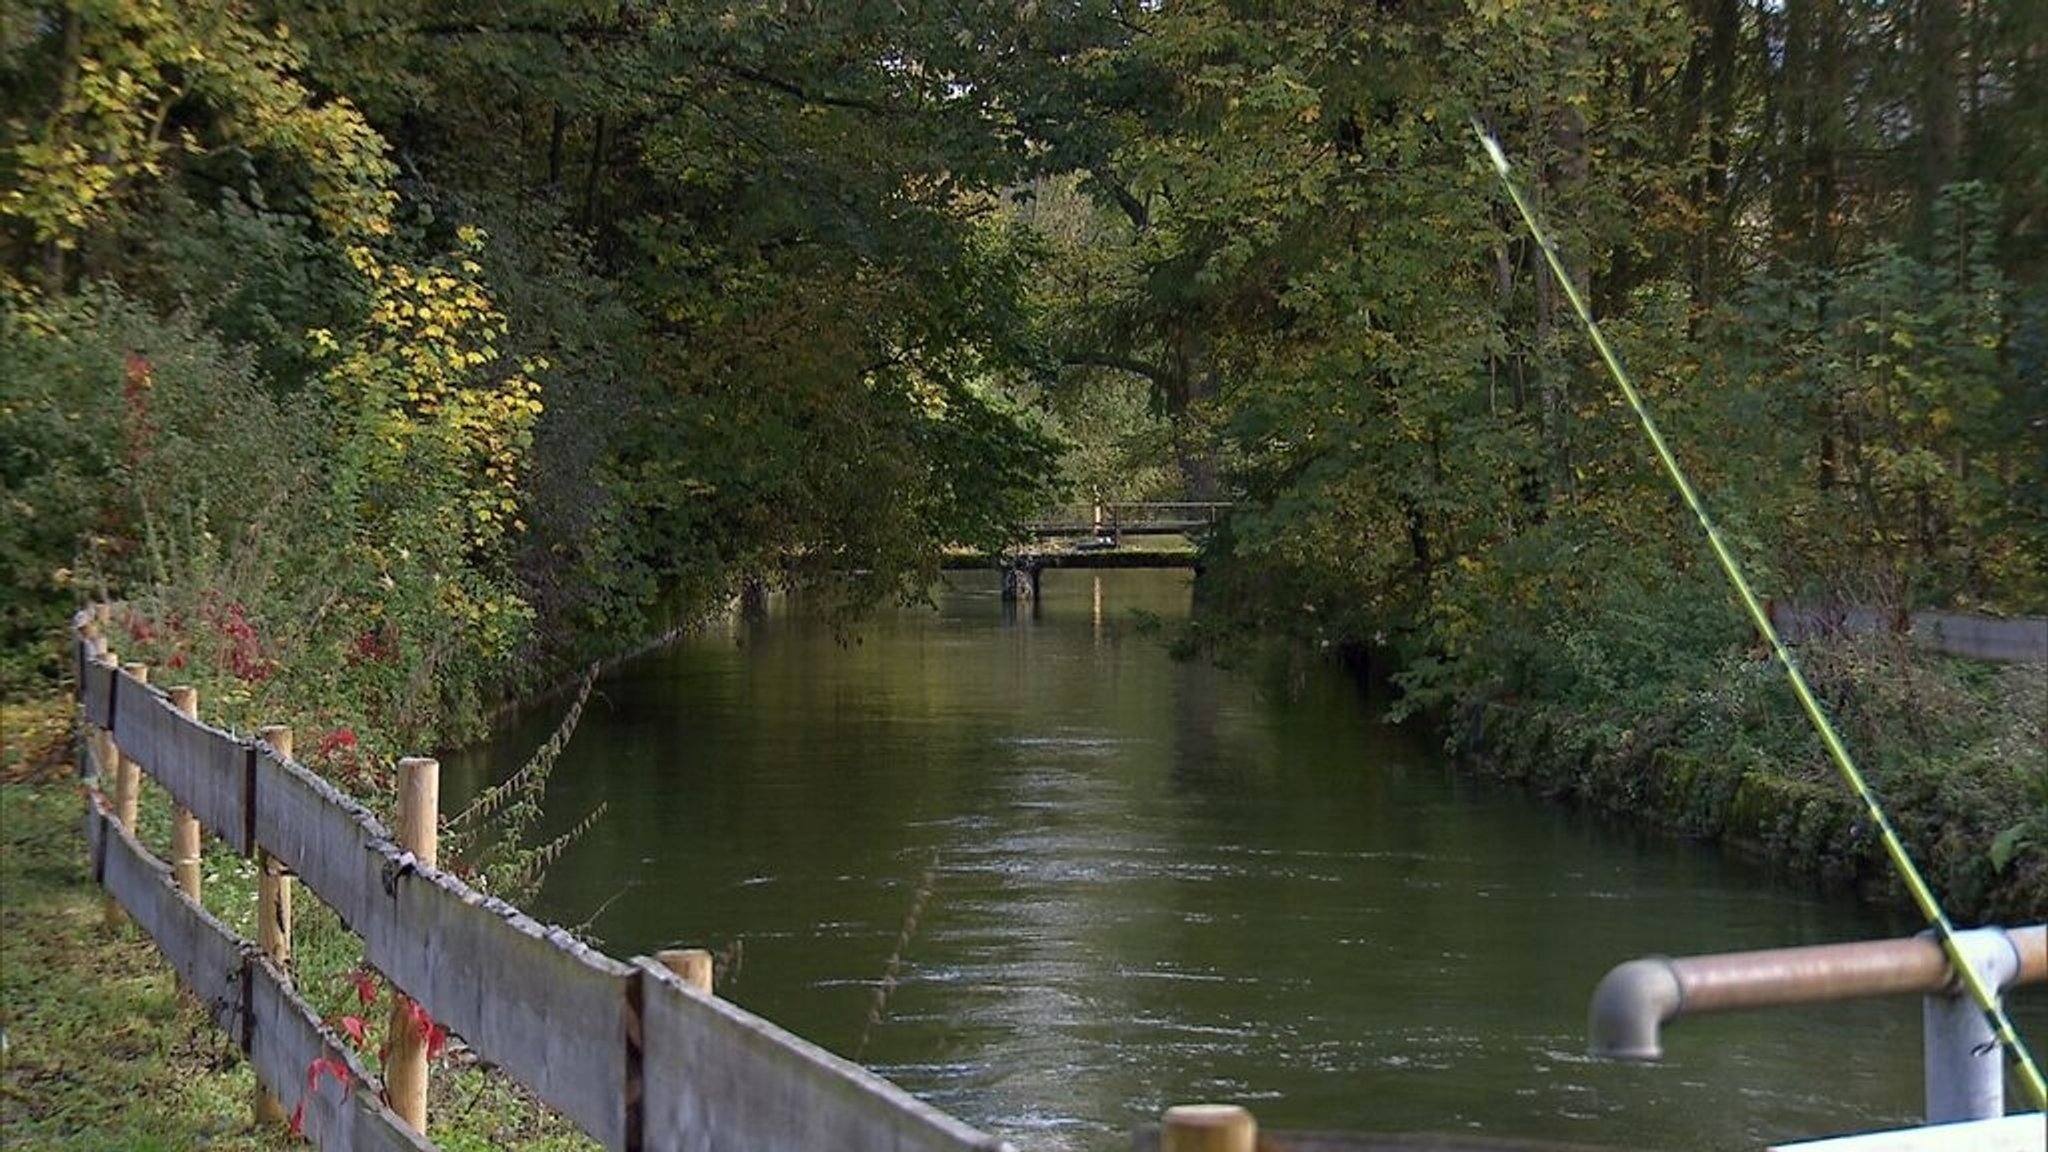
(136, 451)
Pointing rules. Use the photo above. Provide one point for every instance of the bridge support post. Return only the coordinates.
(1021, 577)
(753, 598)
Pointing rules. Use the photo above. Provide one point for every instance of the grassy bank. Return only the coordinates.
(101, 1051)
(1957, 751)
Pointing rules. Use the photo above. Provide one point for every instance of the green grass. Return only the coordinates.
(101, 1051)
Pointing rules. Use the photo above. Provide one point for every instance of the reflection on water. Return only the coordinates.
(1140, 882)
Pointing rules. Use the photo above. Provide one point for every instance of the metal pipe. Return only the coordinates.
(1964, 1070)
(1965, 1073)
(1630, 1007)
(1635, 999)
(2033, 949)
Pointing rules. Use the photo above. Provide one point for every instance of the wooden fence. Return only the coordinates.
(627, 1051)
(2012, 640)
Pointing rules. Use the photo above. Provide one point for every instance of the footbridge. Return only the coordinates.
(1113, 521)
(1137, 534)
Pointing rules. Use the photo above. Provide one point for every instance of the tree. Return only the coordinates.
(147, 90)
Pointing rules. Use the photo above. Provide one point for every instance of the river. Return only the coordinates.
(1092, 881)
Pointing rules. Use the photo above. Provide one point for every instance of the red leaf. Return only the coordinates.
(366, 986)
(334, 1068)
(315, 1070)
(435, 1036)
(356, 1029)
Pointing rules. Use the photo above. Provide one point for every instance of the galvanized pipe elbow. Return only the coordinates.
(1630, 1007)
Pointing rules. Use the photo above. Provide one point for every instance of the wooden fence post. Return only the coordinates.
(186, 835)
(96, 744)
(405, 1067)
(127, 793)
(102, 738)
(273, 881)
(1208, 1128)
(95, 643)
(693, 965)
(128, 776)
(273, 916)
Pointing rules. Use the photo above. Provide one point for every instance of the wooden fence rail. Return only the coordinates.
(2010, 640)
(626, 1050)
(292, 1052)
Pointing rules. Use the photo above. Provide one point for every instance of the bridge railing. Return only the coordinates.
(1130, 517)
(626, 1050)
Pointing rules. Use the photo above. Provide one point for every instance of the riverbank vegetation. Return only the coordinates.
(390, 359)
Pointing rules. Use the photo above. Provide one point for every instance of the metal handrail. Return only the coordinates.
(1964, 1076)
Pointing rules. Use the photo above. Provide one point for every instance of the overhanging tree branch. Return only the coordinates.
(799, 92)
(1115, 362)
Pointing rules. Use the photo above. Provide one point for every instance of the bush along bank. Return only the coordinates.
(1957, 752)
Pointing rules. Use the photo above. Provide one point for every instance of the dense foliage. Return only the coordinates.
(434, 346)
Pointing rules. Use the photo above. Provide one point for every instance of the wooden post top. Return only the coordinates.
(1208, 1128)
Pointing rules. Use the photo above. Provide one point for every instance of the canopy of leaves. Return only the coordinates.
(578, 314)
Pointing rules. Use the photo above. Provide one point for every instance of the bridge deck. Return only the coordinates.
(1097, 558)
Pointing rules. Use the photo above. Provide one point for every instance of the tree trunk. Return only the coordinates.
(1941, 133)
(1188, 380)
(593, 180)
(1714, 90)
(67, 87)
(558, 131)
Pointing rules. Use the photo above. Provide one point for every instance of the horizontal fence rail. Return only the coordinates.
(304, 1063)
(2010, 640)
(629, 1053)
(722, 1078)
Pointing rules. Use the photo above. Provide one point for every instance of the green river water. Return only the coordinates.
(1139, 882)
